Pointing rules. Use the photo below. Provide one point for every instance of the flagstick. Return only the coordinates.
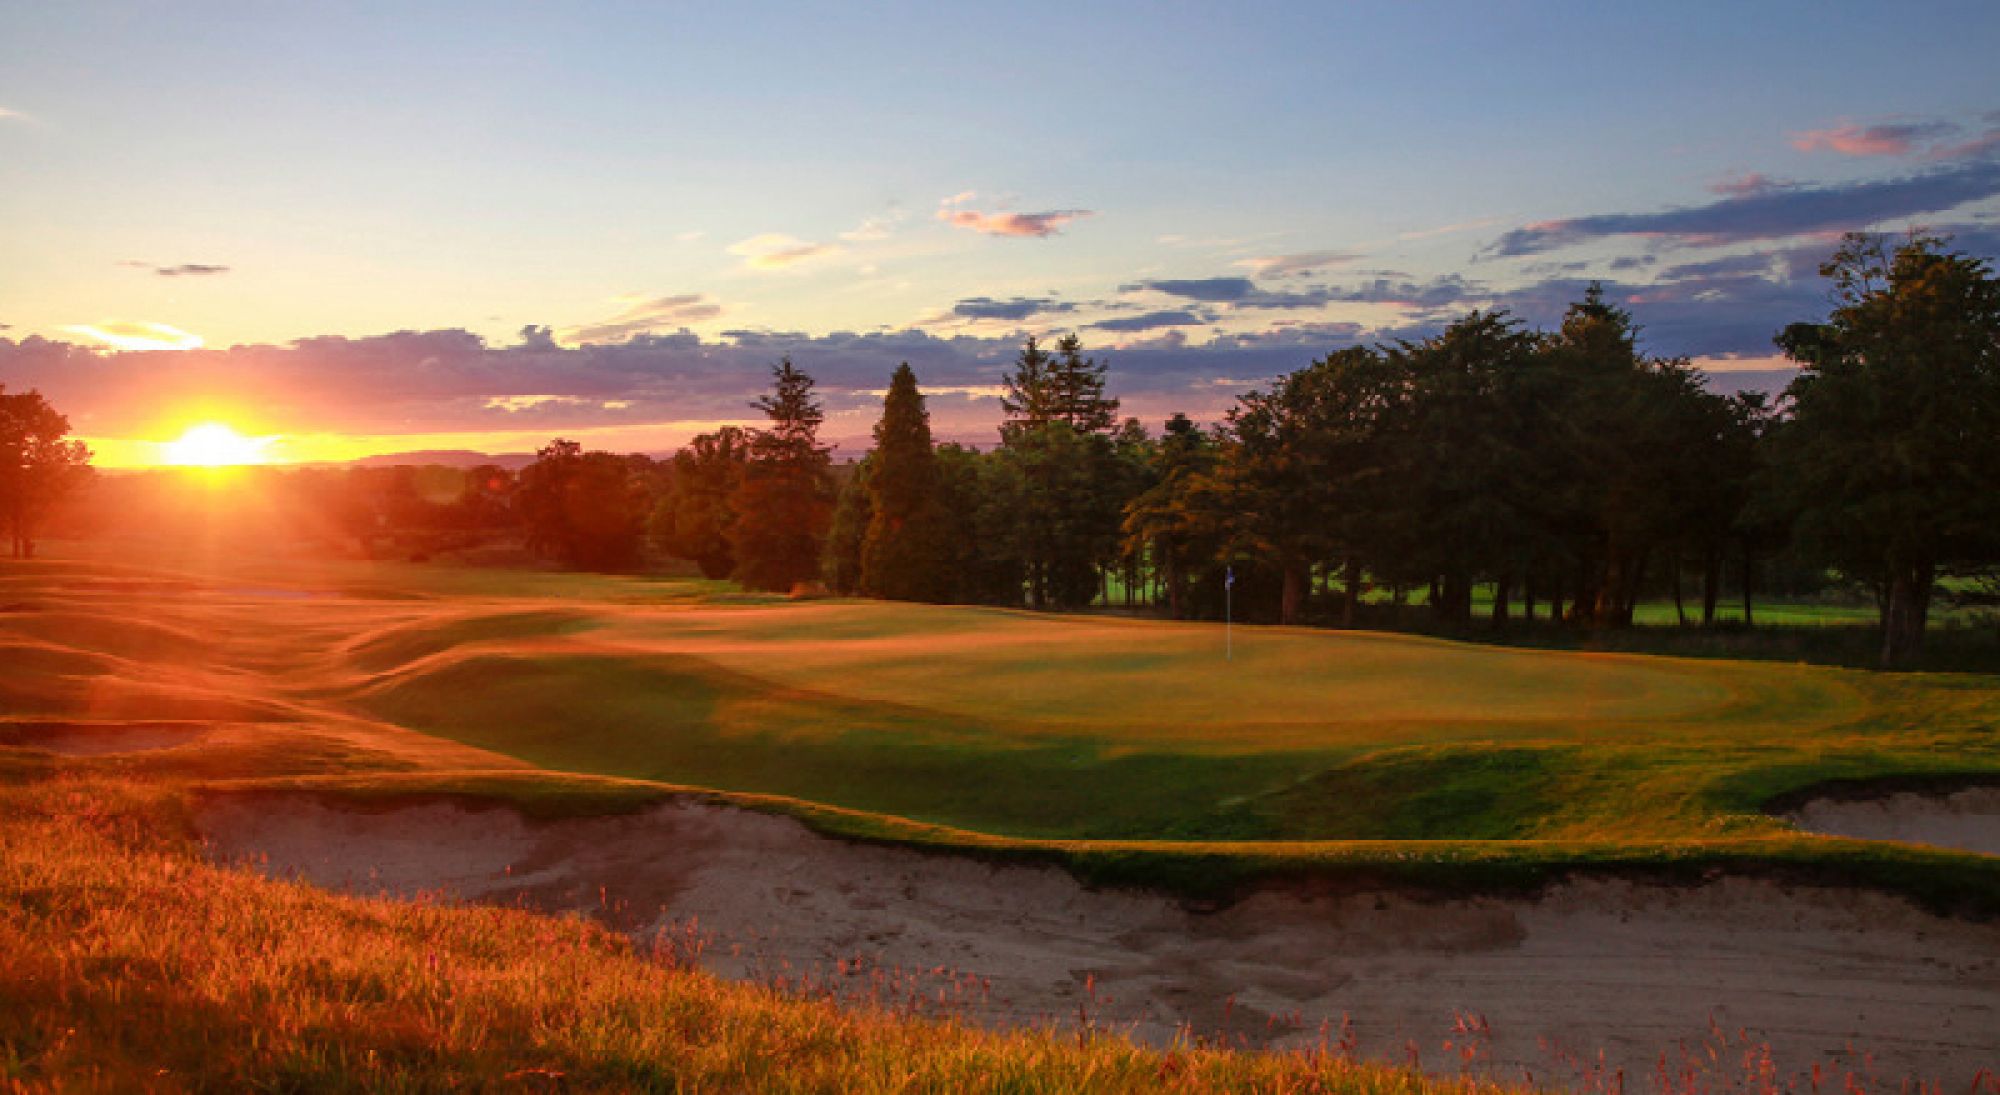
(1228, 633)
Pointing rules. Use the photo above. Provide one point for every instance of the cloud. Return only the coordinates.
(1227, 290)
(1894, 139)
(1303, 262)
(7, 115)
(1233, 291)
(1746, 185)
(878, 227)
(1242, 293)
(1151, 321)
(1019, 225)
(185, 269)
(640, 318)
(777, 251)
(1772, 214)
(1981, 145)
(1016, 308)
(138, 335)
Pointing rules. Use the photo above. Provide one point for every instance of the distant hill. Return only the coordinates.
(451, 458)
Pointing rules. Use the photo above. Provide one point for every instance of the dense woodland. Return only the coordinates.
(1565, 473)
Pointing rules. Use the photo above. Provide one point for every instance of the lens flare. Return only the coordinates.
(214, 445)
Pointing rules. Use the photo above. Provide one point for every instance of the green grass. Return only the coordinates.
(1025, 727)
(1096, 729)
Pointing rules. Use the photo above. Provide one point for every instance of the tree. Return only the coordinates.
(987, 495)
(39, 465)
(586, 509)
(1162, 524)
(1077, 386)
(906, 554)
(1895, 431)
(1032, 398)
(1057, 436)
(696, 512)
(840, 560)
(785, 501)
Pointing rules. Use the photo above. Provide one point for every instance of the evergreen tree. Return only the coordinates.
(1057, 437)
(1076, 384)
(987, 497)
(1032, 399)
(906, 555)
(841, 562)
(1163, 523)
(785, 503)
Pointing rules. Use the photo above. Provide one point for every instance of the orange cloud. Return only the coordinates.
(1876, 140)
(138, 335)
(643, 316)
(776, 251)
(1035, 225)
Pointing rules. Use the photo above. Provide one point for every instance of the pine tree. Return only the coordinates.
(785, 503)
(841, 560)
(1078, 386)
(1057, 435)
(906, 556)
(1031, 400)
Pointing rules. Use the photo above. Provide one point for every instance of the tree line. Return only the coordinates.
(1563, 470)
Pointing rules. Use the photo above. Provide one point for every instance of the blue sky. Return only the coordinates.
(1207, 193)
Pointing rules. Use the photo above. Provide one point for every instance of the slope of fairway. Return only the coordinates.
(1027, 725)
(1010, 723)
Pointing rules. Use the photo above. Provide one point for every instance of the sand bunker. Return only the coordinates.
(92, 739)
(1643, 973)
(1968, 819)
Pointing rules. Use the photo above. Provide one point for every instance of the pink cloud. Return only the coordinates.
(1036, 225)
(1896, 139)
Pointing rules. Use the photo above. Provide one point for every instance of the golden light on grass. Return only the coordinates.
(214, 445)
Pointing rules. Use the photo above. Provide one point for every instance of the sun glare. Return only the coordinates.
(213, 445)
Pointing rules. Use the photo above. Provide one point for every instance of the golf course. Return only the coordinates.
(1260, 839)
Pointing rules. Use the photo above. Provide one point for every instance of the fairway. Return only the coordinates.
(1002, 722)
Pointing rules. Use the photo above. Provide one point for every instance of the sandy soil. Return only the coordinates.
(1968, 820)
(1643, 973)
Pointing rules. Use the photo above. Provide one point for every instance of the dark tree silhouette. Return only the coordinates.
(907, 551)
(785, 501)
(696, 510)
(39, 465)
(1896, 432)
(585, 509)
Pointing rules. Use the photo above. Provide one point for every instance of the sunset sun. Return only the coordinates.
(213, 445)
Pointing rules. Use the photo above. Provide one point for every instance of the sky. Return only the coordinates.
(360, 228)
